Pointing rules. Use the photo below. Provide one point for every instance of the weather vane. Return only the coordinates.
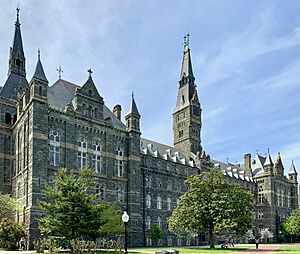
(60, 71)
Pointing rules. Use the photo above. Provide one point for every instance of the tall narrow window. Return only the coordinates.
(54, 148)
(159, 222)
(148, 222)
(119, 195)
(96, 160)
(260, 195)
(119, 167)
(169, 204)
(100, 191)
(148, 201)
(81, 153)
(159, 202)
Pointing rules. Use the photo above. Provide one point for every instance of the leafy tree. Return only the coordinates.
(291, 225)
(10, 234)
(71, 208)
(155, 233)
(8, 206)
(212, 203)
(265, 234)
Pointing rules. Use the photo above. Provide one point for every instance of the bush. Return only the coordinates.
(10, 234)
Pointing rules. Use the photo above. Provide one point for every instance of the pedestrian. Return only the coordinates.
(256, 243)
(22, 243)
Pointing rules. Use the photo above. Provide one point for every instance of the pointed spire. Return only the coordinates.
(293, 170)
(133, 108)
(186, 69)
(268, 161)
(39, 71)
(17, 43)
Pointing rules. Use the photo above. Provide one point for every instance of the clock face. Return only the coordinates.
(196, 110)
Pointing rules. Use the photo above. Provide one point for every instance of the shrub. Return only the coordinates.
(10, 234)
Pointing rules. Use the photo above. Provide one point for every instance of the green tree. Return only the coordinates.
(10, 234)
(291, 225)
(8, 206)
(212, 203)
(155, 233)
(71, 208)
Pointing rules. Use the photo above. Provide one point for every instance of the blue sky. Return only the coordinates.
(245, 54)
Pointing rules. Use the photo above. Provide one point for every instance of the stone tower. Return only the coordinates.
(187, 113)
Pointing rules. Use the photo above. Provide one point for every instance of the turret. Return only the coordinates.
(293, 174)
(268, 165)
(279, 169)
(39, 82)
(133, 117)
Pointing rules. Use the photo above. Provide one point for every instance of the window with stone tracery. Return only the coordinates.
(159, 222)
(81, 153)
(148, 201)
(96, 159)
(148, 222)
(159, 202)
(119, 163)
(169, 201)
(54, 148)
(260, 195)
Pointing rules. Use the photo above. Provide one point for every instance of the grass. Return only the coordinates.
(195, 250)
(291, 249)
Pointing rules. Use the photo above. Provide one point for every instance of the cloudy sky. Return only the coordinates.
(246, 59)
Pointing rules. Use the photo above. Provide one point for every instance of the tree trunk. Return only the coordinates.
(211, 238)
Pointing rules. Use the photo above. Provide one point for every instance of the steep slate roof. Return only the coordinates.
(39, 71)
(133, 108)
(293, 170)
(62, 92)
(12, 84)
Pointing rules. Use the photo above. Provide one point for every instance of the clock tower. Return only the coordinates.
(187, 113)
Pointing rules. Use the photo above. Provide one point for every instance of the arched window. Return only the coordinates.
(95, 113)
(100, 191)
(169, 185)
(8, 118)
(169, 201)
(96, 160)
(148, 201)
(81, 153)
(148, 222)
(159, 202)
(84, 109)
(148, 181)
(260, 214)
(119, 195)
(40, 90)
(51, 182)
(54, 148)
(159, 222)
(119, 167)
(159, 183)
(260, 195)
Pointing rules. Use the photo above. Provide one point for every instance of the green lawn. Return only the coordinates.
(287, 250)
(188, 250)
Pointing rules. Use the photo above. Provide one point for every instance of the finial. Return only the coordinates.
(39, 55)
(18, 9)
(268, 150)
(60, 71)
(257, 151)
(132, 94)
(227, 159)
(186, 40)
(292, 162)
(90, 72)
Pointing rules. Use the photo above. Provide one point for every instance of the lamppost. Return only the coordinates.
(125, 219)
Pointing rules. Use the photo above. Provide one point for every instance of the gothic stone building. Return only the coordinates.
(45, 127)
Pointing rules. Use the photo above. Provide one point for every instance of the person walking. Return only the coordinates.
(22, 244)
(256, 243)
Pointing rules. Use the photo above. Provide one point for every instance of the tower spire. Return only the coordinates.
(16, 65)
(186, 68)
(39, 70)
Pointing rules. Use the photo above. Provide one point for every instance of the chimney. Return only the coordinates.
(247, 161)
(117, 111)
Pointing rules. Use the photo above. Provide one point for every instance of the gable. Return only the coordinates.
(89, 90)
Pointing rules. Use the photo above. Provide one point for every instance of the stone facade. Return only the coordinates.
(43, 128)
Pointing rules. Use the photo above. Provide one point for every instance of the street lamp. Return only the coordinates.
(125, 219)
